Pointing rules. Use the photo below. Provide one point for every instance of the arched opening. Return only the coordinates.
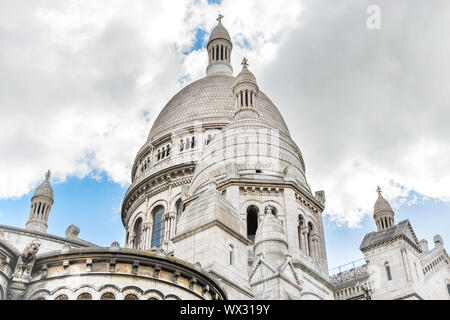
(221, 53)
(85, 296)
(137, 234)
(193, 143)
(168, 150)
(448, 288)
(252, 221)
(131, 297)
(158, 226)
(230, 254)
(388, 271)
(217, 53)
(62, 297)
(108, 296)
(181, 145)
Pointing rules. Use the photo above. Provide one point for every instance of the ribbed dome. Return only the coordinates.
(45, 189)
(219, 32)
(211, 101)
(249, 145)
(381, 205)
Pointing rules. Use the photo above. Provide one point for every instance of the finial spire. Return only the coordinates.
(48, 175)
(245, 62)
(220, 18)
(379, 190)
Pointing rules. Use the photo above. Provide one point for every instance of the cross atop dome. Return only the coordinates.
(379, 190)
(245, 62)
(219, 18)
(48, 175)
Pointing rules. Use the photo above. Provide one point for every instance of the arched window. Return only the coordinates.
(251, 98)
(163, 153)
(168, 150)
(62, 297)
(388, 271)
(230, 254)
(193, 143)
(301, 221)
(108, 296)
(131, 297)
(158, 226)
(85, 296)
(158, 156)
(252, 221)
(448, 288)
(138, 234)
(221, 53)
(181, 145)
(272, 209)
(217, 53)
(242, 99)
(246, 98)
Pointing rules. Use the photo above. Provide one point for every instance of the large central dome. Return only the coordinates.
(209, 100)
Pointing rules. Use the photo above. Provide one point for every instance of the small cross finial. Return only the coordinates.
(220, 18)
(47, 175)
(245, 62)
(379, 190)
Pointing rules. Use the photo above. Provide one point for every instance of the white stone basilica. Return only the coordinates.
(218, 208)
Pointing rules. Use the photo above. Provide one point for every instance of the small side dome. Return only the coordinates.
(245, 76)
(381, 205)
(383, 213)
(45, 189)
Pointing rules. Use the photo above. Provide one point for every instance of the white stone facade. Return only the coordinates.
(219, 207)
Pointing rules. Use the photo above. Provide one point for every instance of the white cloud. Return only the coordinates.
(81, 83)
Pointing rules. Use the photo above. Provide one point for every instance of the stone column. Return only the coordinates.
(305, 232)
(132, 240)
(147, 234)
(304, 240)
(315, 241)
(406, 265)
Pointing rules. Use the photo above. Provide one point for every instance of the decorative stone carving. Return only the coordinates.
(26, 261)
(72, 232)
(320, 196)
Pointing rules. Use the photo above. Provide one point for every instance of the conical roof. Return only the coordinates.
(245, 76)
(219, 32)
(381, 205)
(44, 189)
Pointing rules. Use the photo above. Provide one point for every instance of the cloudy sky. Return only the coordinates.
(82, 81)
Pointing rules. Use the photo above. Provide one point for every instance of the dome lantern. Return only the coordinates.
(219, 51)
(383, 213)
(41, 203)
(245, 90)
